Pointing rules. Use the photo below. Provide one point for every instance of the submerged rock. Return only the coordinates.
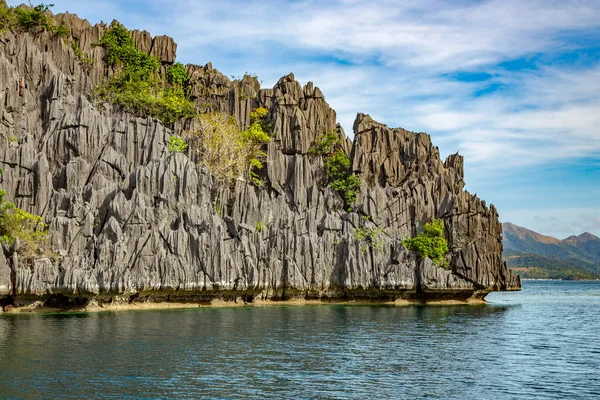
(127, 217)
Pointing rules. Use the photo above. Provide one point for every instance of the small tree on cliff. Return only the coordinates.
(228, 152)
(430, 243)
(337, 167)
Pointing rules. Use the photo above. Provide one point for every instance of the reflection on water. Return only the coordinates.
(540, 343)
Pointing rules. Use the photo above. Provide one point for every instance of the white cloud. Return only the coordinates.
(395, 60)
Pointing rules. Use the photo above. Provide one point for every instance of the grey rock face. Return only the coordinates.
(127, 217)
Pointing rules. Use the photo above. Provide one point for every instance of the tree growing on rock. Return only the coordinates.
(430, 243)
(337, 167)
(228, 152)
(22, 232)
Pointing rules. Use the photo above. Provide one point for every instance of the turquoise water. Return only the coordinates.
(541, 343)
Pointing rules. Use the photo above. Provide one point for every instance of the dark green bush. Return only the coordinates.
(177, 75)
(138, 87)
(430, 243)
(121, 52)
(337, 167)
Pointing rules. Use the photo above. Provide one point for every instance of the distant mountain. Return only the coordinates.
(533, 255)
(585, 247)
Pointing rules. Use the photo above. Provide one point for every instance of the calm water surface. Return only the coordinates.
(541, 343)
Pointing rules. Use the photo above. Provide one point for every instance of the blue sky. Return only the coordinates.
(514, 86)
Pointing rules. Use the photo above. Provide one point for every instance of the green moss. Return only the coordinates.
(430, 243)
(138, 87)
(259, 226)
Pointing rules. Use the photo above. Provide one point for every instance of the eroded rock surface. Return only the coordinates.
(127, 217)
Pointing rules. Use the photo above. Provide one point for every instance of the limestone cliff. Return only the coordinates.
(129, 218)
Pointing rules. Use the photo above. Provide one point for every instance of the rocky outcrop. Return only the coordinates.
(129, 218)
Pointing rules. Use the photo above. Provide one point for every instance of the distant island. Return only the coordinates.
(535, 256)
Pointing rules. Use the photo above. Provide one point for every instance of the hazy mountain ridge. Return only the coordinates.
(576, 257)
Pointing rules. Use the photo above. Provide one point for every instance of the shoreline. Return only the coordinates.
(94, 307)
(560, 280)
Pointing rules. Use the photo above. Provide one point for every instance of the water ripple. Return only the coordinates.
(538, 344)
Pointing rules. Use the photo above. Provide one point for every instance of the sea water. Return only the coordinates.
(541, 343)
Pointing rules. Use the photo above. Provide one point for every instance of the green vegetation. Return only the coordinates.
(535, 266)
(86, 61)
(347, 184)
(218, 209)
(337, 167)
(259, 226)
(177, 145)
(15, 18)
(121, 51)
(228, 152)
(177, 75)
(370, 236)
(253, 140)
(30, 19)
(324, 144)
(62, 31)
(7, 18)
(430, 243)
(566, 274)
(29, 229)
(138, 87)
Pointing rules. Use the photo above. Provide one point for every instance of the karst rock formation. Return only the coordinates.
(129, 219)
